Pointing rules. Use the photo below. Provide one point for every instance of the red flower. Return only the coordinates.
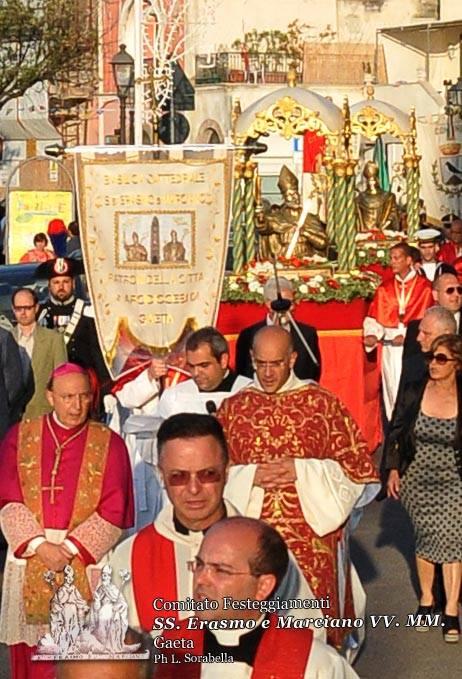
(333, 284)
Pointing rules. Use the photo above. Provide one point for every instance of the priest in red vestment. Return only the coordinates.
(65, 496)
(452, 249)
(401, 299)
(301, 464)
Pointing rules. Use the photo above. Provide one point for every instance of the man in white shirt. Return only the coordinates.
(428, 242)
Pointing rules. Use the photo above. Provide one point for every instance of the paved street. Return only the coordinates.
(382, 550)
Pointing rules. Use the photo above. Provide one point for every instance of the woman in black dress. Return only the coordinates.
(423, 454)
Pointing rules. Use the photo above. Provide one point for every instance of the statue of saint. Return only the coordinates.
(277, 225)
(377, 209)
(135, 251)
(174, 250)
(109, 614)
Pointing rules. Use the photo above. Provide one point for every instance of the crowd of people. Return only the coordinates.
(241, 483)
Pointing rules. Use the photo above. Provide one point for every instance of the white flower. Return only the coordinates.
(361, 253)
(234, 286)
(380, 253)
(254, 286)
(303, 288)
(318, 278)
(314, 283)
(322, 289)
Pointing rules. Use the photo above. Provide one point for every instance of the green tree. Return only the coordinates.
(45, 40)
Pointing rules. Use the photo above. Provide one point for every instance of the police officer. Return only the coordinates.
(72, 316)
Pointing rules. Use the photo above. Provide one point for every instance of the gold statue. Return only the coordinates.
(135, 252)
(278, 225)
(376, 208)
(174, 250)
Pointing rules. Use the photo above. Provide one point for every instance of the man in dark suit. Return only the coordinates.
(11, 384)
(305, 367)
(447, 293)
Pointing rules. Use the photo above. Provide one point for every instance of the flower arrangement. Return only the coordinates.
(372, 247)
(320, 287)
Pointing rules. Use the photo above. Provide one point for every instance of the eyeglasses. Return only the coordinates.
(272, 365)
(24, 307)
(216, 569)
(204, 476)
(440, 359)
(453, 289)
(67, 399)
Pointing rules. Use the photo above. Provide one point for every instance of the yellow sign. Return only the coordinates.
(155, 237)
(29, 213)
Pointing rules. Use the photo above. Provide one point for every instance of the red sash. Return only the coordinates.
(153, 573)
(282, 653)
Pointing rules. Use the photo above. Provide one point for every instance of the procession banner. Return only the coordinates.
(29, 213)
(154, 236)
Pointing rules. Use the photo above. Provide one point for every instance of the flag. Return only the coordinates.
(380, 158)
(314, 146)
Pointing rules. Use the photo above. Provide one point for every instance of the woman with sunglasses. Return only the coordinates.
(423, 454)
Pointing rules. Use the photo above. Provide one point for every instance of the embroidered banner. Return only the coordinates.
(154, 237)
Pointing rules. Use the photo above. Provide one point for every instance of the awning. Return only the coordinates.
(11, 130)
(429, 38)
(28, 128)
(41, 129)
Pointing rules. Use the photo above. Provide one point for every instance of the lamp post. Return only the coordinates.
(123, 68)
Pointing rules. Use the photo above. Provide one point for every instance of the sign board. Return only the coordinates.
(29, 213)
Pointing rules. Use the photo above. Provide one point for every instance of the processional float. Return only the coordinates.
(291, 112)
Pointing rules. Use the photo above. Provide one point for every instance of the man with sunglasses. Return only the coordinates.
(193, 461)
(41, 350)
(242, 561)
(447, 293)
(300, 463)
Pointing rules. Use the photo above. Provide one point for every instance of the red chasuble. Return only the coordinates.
(308, 422)
(281, 654)
(417, 295)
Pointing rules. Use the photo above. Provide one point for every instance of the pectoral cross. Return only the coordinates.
(53, 488)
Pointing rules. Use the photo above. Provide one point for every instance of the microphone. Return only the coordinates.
(211, 407)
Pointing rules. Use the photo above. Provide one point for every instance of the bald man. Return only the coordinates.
(257, 557)
(301, 464)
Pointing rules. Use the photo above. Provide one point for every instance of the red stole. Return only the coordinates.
(385, 305)
(281, 654)
(153, 567)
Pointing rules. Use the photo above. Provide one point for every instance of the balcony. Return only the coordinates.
(242, 67)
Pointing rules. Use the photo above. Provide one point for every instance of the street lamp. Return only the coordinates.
(123, 69)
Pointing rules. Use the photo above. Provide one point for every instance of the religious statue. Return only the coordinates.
(281, 228)
(75, 629)
(67, 616)
(174, 250)
(377, 209)
(135, 251)
(109, 614)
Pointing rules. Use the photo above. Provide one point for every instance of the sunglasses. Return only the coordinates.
(204, 476)
(453, 289)
(440, 359)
